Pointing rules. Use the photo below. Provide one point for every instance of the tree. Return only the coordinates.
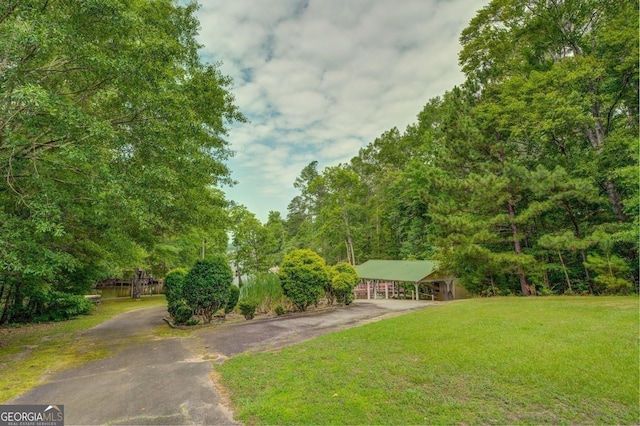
(253, 244)
(111, 134)
(303, 276)
(206, 286)
(276, 228)
(341, 212)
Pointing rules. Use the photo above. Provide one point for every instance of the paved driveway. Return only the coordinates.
(168, 381)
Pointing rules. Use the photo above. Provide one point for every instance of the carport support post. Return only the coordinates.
(368, 290)
(417, 294)
(386, 290)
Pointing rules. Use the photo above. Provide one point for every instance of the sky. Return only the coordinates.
(320, 79)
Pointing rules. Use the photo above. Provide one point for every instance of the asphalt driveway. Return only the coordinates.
(149, 381)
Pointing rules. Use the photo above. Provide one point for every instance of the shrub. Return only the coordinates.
(234, 295)
(344, 278)
(248, 308)
(303, 276)
(206, 286)
(342, 288)
(173, 283)
(279, 310)
(61, 306)
(182, 312)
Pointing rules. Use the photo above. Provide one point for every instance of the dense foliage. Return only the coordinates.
(248, 307)
(111, 143)
(344, 278)
(232, 300)
(304, 277)
(206, 286)
(524, 179)
(173, 284)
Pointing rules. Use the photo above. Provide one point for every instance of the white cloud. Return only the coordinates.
(319, 79)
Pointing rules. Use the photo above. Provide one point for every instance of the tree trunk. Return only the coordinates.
(136, 284)
(564, 268)
(576, 232)
(524, 286)
(596, 136)
(7, 307)
(349, 241)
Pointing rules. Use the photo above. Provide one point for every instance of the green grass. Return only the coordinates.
(555, 360)
(31, 353)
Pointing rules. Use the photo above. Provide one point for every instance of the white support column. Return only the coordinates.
(368, 290)
(386, 290)
(417, 295)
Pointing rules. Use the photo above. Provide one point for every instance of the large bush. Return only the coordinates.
(344, 278)
(303, 276)
(206, 286)
(173, 283)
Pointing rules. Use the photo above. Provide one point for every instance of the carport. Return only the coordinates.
(382, 278)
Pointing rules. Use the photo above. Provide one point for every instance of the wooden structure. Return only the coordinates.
(139, 285)
(398, 279)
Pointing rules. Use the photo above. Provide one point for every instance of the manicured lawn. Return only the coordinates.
(29, 352)
(552, 360)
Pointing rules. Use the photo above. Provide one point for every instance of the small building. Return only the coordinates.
(406, 279)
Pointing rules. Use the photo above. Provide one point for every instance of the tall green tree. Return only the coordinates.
(254, 246)
(111, 134)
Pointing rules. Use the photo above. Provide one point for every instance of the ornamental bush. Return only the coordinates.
(234, 295)
(303, 276)
(248, 308)
(173, 283)
(344, 278)
(206, 286)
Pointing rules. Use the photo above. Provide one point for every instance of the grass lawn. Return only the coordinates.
(553, 360)
(30, 352)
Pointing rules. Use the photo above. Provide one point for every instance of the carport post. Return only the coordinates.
(368, 290)
(417, 294)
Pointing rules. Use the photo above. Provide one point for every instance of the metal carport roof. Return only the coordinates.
(398, 270)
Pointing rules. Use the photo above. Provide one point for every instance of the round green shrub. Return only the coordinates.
(344, 278)
(206, 286)
(303, 276)
(234, 295)
(248, 308)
